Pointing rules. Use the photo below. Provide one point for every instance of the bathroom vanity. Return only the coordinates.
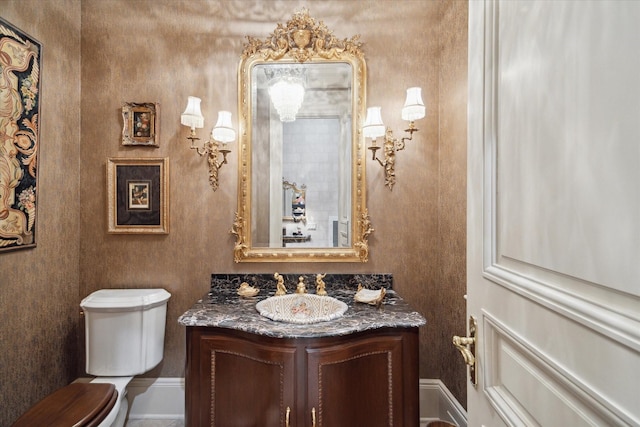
(244, 369)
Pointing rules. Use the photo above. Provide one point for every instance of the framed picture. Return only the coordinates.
(138, 195)
(140, 124)
(20, 69)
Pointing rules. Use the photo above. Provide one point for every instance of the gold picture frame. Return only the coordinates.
(140, 124)
(138, 195)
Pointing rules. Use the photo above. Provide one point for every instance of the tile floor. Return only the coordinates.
(154, 423)
(173, 423)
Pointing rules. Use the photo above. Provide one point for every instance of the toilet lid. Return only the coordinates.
(78, 404)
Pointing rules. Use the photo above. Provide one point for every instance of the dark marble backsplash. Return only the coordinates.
(332, 281)
(222, 307)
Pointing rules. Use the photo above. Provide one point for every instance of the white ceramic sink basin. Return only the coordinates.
(301, 308)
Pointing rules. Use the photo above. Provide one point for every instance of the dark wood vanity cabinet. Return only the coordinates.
(239, 379)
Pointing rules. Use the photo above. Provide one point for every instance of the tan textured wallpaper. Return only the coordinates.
(39, 287)
(162, 51)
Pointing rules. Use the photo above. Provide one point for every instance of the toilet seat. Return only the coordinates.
(78, 404)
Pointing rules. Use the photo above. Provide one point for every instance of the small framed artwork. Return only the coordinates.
(138, 195)
(140, 124)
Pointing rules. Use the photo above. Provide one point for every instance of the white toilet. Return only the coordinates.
(124, 331)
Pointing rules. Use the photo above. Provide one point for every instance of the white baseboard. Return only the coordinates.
(156, 398)
(437, 403)
(163, 398)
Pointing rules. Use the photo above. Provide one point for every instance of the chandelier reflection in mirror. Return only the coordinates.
(222, 134)
(286, 90)
(373, 128)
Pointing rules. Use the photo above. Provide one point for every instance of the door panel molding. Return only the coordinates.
(609, 321)
(567, 294)
(552, 208)
(514, 368)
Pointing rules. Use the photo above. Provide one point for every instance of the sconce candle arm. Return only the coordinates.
(374, 148)
(401, 144)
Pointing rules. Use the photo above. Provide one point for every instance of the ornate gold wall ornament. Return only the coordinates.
(365, 228)
(240, 248)
(302, 38)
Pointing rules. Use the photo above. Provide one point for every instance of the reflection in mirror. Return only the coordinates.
(313, 145)
(294, 202)
(301, 106)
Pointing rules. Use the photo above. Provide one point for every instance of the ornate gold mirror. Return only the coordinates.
(301, 108)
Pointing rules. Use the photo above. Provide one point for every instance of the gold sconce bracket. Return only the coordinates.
(212, 150)
(391, 146)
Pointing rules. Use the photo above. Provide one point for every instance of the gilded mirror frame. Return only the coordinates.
(302, 40)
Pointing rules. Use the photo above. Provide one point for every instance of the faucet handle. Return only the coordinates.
(301, 288)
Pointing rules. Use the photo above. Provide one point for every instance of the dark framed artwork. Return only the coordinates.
(20, 70)
(140, 124)
(138, 195)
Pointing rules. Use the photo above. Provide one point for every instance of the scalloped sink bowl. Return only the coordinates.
(301, 308)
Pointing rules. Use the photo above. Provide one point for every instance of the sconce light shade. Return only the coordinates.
(414, 108)
(223, 130)
(287, 94)
(192, 115)
(373, 126)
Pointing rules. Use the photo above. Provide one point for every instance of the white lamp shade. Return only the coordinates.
(223, 130)
(373, 126)
(192, 115)
(414, 108)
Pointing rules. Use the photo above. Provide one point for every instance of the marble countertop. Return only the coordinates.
(222, 307)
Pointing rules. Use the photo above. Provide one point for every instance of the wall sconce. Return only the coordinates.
(373, 128)
(221, 134)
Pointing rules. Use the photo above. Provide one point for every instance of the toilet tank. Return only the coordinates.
(124, 330)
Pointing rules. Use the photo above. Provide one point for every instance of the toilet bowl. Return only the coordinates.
(124, 331)
(118, 414)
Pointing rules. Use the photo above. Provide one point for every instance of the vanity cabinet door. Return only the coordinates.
(364, 382)
(238, 379)
(234, 381)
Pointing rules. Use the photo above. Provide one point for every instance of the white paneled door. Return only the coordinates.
(554, 212)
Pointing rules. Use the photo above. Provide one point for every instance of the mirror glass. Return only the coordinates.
(306, 133)
(294, 202)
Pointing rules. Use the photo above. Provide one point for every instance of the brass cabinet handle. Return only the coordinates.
(313, 417)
